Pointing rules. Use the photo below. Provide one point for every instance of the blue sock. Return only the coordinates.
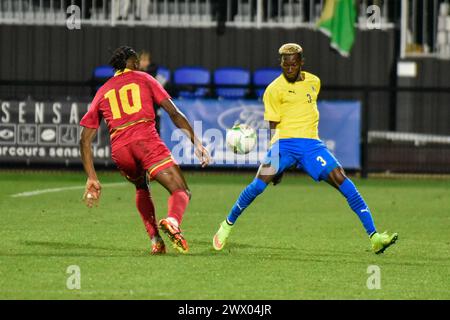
(356, 202)
(245, 198)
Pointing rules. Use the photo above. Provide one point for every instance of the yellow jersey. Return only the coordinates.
(293, 106)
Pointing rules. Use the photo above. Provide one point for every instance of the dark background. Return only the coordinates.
(57, 54)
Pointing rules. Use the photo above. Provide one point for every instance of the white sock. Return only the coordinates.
(173, 221)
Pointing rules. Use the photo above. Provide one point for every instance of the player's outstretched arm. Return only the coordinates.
(93, 188)
(179, 119)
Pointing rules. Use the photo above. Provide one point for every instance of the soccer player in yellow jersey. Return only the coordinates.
(290, 103)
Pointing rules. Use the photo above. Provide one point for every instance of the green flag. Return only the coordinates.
(338, 22)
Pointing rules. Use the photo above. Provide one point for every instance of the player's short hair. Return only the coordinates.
(291, 48)
(120, 56)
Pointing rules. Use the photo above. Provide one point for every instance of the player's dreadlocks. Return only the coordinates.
(120, 56)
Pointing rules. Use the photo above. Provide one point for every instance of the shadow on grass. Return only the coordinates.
(71, 250)
(240, 245)
(68, 245)
(202, 248)
(199, 248)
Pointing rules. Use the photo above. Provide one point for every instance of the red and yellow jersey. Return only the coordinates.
(125, 102)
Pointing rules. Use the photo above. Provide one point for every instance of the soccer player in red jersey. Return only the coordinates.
(125, 102)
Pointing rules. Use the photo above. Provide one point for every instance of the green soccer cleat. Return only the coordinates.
(220, 238)
(381, 242)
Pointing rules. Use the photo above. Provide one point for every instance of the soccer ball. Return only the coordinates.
(241, 138)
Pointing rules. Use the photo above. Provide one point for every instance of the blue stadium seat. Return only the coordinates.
(103, 72)
(263, 77)
(164, 73)
(231, 76)
(192, 76)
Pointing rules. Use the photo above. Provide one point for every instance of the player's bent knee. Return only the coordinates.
(140, 182)
(338, 175)
(143, 186)
(266, 171)
(266, 178)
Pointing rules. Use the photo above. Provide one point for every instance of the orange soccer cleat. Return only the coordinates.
(174, 234)
(158, 247)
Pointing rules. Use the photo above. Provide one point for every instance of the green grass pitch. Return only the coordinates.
(298, 240)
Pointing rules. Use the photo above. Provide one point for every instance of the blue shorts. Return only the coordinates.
(311, 155)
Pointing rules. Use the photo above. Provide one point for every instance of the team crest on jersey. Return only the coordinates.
(313, 89)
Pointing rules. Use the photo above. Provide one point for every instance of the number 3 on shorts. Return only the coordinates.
(323, 163)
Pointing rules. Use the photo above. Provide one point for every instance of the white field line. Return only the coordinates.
(42, 191)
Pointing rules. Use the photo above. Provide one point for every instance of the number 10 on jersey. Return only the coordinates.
(125, 105)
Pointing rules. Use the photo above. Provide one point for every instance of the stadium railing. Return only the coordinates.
(180, 13)
(424, 25)
(425, 29)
